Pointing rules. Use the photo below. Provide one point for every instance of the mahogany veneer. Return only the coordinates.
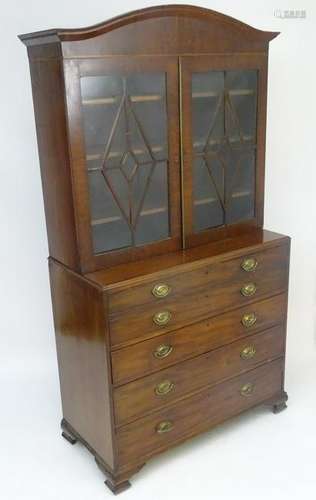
(169, 298)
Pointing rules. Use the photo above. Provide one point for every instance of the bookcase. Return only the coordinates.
(169, 297)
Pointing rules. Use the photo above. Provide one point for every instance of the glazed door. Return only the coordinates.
(223, 123)
(125, 157)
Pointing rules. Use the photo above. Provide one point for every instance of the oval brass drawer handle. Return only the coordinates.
(162, 351)
(249, 264)
(163, 427)
(249, 319)
(247, 389)
(248, 352)
(248, 290)
(162, 318)
(164, 388)
(161, 290)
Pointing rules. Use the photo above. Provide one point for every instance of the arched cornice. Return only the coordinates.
(207, 15)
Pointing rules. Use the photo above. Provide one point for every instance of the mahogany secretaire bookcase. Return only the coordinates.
(169, 298)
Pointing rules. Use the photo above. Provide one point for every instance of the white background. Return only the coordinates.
(256, 456)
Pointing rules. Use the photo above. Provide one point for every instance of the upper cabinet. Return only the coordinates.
(151, 133)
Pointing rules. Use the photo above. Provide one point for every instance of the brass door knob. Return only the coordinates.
(248, 290)
(164, 388)
(163, 427)
(247, 389)
(161, 290)
(162, 351)
(161, 318)
(249, 319)
(249, 264)
(248, 352)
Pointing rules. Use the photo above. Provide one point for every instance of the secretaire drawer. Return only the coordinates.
(149, 393)
(163, 290)
(225, 285)
(148, 435)
(157, 353)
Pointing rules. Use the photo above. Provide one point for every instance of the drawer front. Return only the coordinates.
(145, 437)
(155, 354)
(182, 283)
(223, 289)
(155, 391)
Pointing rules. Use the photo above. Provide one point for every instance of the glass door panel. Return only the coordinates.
(127, 158)
(223, 113)
(224, 107)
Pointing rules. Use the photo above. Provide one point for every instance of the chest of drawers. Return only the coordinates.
(169, 297)
(146, 385)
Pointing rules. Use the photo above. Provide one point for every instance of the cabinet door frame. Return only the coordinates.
(74, 69)
(203, 63)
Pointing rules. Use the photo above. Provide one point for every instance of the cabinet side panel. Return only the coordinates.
(49, 108)
(81, 339)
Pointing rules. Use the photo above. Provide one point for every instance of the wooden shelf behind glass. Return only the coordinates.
(114, 99)
(152, 211)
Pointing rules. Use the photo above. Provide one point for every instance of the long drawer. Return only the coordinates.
(225, 285)
(182, 283)
(160, 352)
(152, 434)
(150, 393)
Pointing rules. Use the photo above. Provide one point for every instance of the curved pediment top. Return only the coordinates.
(207, 15)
